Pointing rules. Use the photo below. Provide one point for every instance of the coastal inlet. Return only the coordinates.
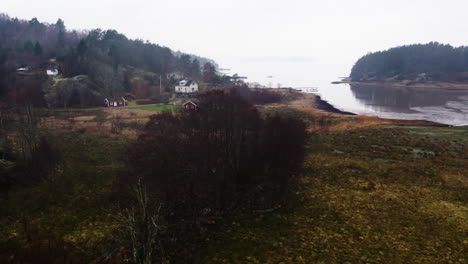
(443, 105)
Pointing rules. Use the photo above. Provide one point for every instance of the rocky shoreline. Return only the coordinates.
(325, 106)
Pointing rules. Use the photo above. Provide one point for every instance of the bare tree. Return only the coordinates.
(27, 131)
(143, 227)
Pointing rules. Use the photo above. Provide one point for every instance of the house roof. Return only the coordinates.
(194, 101)
(186, 82)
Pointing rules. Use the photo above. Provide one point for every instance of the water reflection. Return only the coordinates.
(448, 106)
(404, 99)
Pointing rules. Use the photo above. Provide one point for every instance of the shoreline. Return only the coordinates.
(324, 106)
(436, 85)
(327, 107)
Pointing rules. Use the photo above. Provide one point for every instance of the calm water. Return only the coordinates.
(447, 106)
(439, 105)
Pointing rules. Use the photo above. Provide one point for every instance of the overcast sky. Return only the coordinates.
(297, 41)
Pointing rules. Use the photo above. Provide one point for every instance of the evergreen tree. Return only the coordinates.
(209, 74)
(184, 62)
(60, 26)
(82, 48)
(195, 69)
(28, 47)
(37, 49)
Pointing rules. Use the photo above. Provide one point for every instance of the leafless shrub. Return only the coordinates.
(117, 124)
(27, 131)
(100, 118)
(142, 227)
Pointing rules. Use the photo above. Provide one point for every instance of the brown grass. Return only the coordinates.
(99, 121)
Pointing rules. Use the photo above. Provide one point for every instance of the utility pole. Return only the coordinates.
(160, 86)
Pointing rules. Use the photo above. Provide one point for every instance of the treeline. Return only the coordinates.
(112, 49)
(424, 62)
(113, 64)
(24, 41)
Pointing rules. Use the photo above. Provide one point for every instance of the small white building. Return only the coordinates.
(52, 72)
(186, 87)
(23, 71)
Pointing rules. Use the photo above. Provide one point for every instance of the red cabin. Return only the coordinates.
(190, 106)
(108, 103)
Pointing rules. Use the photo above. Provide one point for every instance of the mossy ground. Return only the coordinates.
(374, 195)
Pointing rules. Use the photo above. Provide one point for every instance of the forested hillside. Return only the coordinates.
(419, 62)
(92, 64)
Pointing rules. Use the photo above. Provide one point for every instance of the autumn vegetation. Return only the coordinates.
(363, 191)
(392, 194)
(251, 176)
(216, 162)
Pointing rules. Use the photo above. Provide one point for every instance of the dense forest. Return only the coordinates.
(419, 62)
(92, 65)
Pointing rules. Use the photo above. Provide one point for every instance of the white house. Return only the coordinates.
(23, 71)
(52, 72)
(186, 87)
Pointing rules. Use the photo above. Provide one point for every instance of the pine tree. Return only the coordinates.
(60, 25)
(28, 47)
(37, 49)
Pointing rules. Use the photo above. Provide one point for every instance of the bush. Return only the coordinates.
(72, 92)
(44, 160)
(117, 124)
(216, 160)
(260, 96)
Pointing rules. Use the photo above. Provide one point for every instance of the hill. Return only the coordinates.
(419, 63)
(113, 64)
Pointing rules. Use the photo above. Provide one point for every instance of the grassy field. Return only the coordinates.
(159, 108)
(373, 195)
(125, 121)
(71, 216)
(371, 191)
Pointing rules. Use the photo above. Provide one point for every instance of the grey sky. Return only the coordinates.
(297, 41)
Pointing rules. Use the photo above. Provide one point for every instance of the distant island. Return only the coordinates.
(420, 65)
